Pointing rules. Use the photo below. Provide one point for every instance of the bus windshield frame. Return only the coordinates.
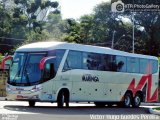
(25, 71)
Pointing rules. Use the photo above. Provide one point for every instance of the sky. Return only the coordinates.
(76, 8)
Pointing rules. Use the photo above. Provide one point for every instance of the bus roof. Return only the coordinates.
(48, 46)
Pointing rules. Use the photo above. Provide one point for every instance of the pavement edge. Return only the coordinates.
(154, 111)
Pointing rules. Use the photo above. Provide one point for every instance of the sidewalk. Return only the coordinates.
(151, 110)
(151, 104)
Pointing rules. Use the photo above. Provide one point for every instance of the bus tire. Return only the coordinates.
(32, 103)
(127, 100)
(63, 97)
(100, 104)
(136, 100)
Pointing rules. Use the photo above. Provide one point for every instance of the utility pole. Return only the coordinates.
(133, 29)
(113, 39)
(133, 33)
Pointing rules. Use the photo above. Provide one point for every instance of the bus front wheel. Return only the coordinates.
(63, 97)
(32, 103)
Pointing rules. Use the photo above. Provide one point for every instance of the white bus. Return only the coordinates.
(66, 72)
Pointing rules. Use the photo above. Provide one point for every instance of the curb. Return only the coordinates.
(154, 111)
(150, 104)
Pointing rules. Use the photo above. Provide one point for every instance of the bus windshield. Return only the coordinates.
(25, 69)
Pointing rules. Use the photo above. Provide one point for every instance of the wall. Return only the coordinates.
(3, 79)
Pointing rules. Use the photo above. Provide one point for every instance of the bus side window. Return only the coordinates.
(108, 62)
(91, 61)
(73, 61)
(143, 65)
(133, 65)
(154, 64)
(121, 63)
(49, 71)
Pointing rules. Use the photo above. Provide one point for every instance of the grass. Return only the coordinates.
(159, 91)
(157, 108)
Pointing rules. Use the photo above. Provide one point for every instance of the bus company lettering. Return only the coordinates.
(90, 78)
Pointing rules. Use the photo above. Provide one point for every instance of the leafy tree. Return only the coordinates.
(54, 22)
(72, 33)
(86, 29)
(32, 10)
(150, 22)
(23, 21)
(5, 27)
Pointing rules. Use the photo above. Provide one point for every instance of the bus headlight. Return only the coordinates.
(35, 89)
(8, 88)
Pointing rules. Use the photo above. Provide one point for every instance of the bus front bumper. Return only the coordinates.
(23, 93)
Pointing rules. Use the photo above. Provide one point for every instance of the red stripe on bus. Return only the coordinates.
(145, 79)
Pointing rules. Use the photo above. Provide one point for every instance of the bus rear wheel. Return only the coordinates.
(136, 101)
(63, 97)
(127, 100)
(32, 103)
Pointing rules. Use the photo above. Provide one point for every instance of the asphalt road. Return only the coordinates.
(11, 110)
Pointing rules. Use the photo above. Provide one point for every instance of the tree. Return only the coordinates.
(86, 28)
(147, 27)
(35, 11)
(72, 31)
(54, 22)
(5, 27)
(23, 21)
(150, 22)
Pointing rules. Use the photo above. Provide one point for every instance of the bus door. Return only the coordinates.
(49, 70)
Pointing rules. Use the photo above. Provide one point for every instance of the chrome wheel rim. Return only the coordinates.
(127, 101)
(137, 100)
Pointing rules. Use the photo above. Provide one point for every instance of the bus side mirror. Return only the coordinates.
(5, 60)
(43, 61)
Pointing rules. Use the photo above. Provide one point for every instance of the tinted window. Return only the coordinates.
(154, 66)
(32, 73)
(50, 69)
(144, 64)
(102, 62)
(105, 63)
(132, 65)
(59, 55)
(110, 62)
(91, 61)
(121, 64)
(74, 60)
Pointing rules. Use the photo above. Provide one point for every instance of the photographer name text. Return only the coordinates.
(124, 117)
